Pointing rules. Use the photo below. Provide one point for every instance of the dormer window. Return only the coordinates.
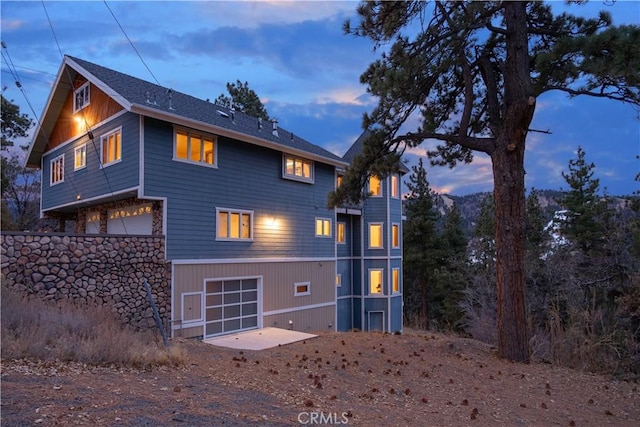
(81, 97)
(297, 168)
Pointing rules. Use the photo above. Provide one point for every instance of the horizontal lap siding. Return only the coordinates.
(248, 177)
(278, 280)
(94, 181)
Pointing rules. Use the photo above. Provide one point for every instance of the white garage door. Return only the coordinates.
(230, 306)
(132, 220)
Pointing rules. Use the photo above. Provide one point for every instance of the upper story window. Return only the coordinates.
(323, 227)
(234, 224)
(375, 186)
(111, 147)
(57, 170)
(81, 97)
(395, 188)
(375, 281)
(195, 148)
(297, 168)
(339, 180)
(395, 235)
(80, 157)
(340, 232)
(375, 235)
(395, 277)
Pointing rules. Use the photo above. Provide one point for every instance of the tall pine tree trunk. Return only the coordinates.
(509, 187)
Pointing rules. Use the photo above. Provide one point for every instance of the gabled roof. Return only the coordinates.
(148, 99)
(357, 147)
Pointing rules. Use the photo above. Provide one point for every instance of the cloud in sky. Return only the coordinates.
(296, 57)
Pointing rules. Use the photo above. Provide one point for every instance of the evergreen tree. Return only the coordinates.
(535, 223)
(244, 99)
(585, 210)
(14, 123)
(473, 71)
(421, 245)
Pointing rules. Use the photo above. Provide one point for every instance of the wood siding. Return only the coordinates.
(100, 107)
(94, 180)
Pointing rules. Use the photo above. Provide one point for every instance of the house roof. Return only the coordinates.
(357, 147)
(149, 99)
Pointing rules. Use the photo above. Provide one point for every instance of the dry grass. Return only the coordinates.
(32, 328)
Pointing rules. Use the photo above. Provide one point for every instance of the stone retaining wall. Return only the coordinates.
(107, 270)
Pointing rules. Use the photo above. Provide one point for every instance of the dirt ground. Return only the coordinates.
(354, 378)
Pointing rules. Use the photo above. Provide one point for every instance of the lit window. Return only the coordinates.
(340, 232)
(339, 180)
(395, 190)
(395, 235)
(375, 187)
(395, 276)
(57, 170)
(234, 225)
(375, 281)
(338, 280)
(375, 236)
(323, 227)
(81, 97)
(80, 157)
(92, 225)
(297, 168)
(194, 147)
(300, 289)
(111, 146)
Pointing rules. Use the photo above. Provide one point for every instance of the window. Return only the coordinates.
(297, 168)
(57, 170)
(395, 277)
(338, 280)
(375, 187)
(111, 146)
(375, 236)
(80, 157)
(92, 225)
(340, 232)
(375, 281)
(339, 180)
(234, 224)
(395, 190)
(300, 289)
(194, 147)
(323, 227)
(81, 97)
(395, 236)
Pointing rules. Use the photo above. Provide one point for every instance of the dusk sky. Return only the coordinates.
(306, 71)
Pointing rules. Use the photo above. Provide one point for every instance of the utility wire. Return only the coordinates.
(131, 43)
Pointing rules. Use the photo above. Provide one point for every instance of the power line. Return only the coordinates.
(132, 45)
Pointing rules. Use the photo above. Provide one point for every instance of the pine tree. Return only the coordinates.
(585, 216)
(244, 99)
(421, 245)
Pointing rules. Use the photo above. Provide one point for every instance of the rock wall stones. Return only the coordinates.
(99, 269)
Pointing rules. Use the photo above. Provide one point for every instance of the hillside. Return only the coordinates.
(355, 378)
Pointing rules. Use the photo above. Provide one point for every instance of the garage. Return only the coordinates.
(231, 305)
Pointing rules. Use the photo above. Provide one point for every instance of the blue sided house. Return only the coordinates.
(240, 203)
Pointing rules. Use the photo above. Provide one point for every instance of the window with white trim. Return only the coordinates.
(395, 188)
(297, 168)
(323, 227)
(302, 288)
(375, 186)
(194, 147)
(80, 157)
(375, 235)
(395, 278)
(81, 97)
(234, 224)
(376, 282)
(111, 147)
(395, 235)
(340, 227)
(57, 170)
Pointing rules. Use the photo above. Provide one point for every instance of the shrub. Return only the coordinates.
(33, 328)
